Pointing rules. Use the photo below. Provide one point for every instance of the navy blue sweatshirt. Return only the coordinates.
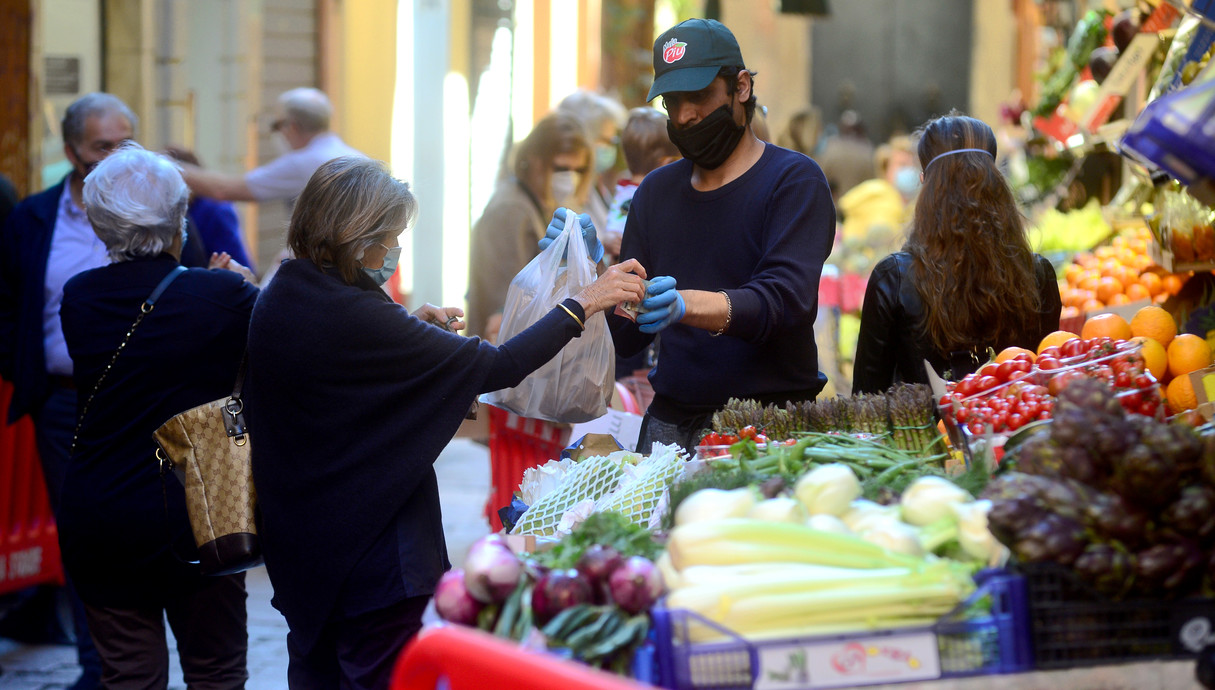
(350, 400)
(762, 239)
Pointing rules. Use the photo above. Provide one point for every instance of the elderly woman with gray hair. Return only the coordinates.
(124, 534)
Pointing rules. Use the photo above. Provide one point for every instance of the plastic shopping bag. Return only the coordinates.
(576, 385)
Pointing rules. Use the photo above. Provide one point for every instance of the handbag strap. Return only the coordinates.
(144, 310)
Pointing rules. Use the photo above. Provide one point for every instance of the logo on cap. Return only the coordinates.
(673, 50)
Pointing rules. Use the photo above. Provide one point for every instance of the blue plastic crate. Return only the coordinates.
(992, 643)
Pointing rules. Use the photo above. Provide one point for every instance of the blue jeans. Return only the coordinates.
(54, 427)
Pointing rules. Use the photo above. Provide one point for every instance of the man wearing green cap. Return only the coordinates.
(742, 227)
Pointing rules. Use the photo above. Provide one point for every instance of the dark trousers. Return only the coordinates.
(54, 427)
(356, 653)
(211, 627)
(685, 435)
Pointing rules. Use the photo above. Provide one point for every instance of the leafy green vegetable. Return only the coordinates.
(609, 529)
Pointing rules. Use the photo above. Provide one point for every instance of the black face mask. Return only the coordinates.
(710, 142)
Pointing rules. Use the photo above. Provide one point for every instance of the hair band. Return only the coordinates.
(950, 153)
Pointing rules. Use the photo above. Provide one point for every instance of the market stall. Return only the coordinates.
(1049, 518)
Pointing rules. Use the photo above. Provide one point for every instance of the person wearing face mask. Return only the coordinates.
(549, 169)
(351, 399)
(876, 211)
(47, 240)
(736, 234)
(300, 131)
(603, 117)
(123, 532)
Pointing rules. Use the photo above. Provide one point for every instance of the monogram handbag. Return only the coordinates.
(208, 448)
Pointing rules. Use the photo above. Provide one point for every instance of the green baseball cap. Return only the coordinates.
(688, 56)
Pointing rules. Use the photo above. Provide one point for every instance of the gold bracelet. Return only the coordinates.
(729, 314)
(573, 316)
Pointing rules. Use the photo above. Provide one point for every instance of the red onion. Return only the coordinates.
(453, 602)
(596, 565)
(491, 570)
(636, 584)
(556, 591)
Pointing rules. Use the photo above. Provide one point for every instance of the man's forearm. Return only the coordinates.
(707, 310)
(216, 185)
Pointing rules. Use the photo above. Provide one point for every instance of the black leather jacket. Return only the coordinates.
(892, 345)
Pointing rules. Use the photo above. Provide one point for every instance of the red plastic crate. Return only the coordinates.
(515, 444)
(29, 539)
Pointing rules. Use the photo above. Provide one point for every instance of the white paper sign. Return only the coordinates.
(843, 663)
(623, 426)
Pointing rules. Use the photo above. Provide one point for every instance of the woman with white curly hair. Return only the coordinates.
(124, 534)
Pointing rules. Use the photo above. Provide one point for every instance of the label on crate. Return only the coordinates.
(847, 662)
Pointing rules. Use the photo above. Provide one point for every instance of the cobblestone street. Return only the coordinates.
(463, 471)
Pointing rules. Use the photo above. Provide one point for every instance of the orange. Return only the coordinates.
(1155, 357)
(1089, 280)
(1086, 260)
(1073, 273)
(1069, 312)
(1171, 283)
(1107, 287)
(1136, 292)
(1188, 353)
(1126, 275)
(1152, 282)
(1104, 252)
(1108, 325)
(1010, 352)
(1180, 394)
(1057, 338)
(1076, 297)
(1109, 267)
(1119, 298)
(1092, 305)
(1155, 323)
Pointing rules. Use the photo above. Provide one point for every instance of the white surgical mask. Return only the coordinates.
(563, 185)
(907, 181)
(605, 158)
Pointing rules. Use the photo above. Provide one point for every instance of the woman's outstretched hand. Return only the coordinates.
(620, 283)
(443, 317)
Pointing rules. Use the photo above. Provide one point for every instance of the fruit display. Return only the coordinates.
(1119, 273)
(1184, 226)
(1003, 397)
(1069, 231)
(1126, 501)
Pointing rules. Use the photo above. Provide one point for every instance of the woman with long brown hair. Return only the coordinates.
(966, 280)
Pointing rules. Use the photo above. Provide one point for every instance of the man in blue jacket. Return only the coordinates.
(46, 240)
(742, 227)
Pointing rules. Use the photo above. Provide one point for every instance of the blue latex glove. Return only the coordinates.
(594, 248)
(664, 305)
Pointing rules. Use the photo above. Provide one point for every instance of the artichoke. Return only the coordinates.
(1052, 538)
(1107, 568)
(1193, 513)
(1169, 569)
